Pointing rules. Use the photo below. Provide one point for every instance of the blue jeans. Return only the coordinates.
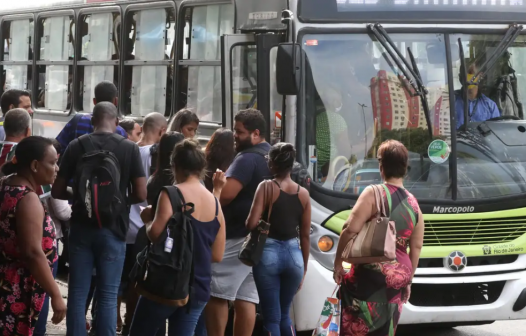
(93, 247)
(278, 277)
(40, 327)
(200, 329)
(150, 316)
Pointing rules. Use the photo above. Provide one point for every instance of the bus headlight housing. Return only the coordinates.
(325, 243)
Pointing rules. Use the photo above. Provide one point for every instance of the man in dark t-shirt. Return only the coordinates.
(103, 248)
(231, 279)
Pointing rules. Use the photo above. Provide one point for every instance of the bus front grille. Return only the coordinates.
(474, 231)
(447, 295)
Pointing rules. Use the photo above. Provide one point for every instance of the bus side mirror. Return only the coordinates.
(288, 69)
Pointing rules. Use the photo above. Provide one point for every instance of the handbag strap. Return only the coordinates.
(380, 200)
(268, 184)
(380, 206)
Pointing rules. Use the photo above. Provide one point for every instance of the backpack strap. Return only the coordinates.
(178, 202)
(86, 143)
(254, 150)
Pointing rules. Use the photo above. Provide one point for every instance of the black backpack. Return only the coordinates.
(97, 182)
(168, 277)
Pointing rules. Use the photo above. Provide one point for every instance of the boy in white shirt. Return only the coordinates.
(153, 128)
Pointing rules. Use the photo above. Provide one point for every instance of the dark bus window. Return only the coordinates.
(55, 80)
(17, 36)
(200, 85)
(149, 38)
(99, 47)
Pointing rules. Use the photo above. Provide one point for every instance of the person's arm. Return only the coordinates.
(258, 205)
(416, 242)
(218, 247)
(138, 194)
(66, 135)
(238, 175)
(230, 190)
(163, 213)
(29, 218)
(305, 228)
(68, 163)
(138, 177)
(361, 212)
(219, 181)
(60, 208)
(60, 189)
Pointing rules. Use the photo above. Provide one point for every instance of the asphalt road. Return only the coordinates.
(502, 328)
(506, 328)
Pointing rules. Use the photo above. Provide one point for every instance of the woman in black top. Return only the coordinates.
(284, 261)
(163, 172)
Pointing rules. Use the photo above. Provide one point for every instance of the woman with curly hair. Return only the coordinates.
(373, 294)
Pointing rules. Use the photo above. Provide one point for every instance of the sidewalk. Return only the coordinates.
(60, 329)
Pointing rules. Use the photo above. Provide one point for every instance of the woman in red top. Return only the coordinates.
(27, 239)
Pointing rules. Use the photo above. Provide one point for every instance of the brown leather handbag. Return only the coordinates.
(376, 241)
(252, 248)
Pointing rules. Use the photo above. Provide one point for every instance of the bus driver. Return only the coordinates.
(481, 108)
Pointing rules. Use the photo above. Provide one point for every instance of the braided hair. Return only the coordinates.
(282, 156)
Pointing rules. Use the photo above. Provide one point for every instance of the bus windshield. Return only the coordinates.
(356, 98)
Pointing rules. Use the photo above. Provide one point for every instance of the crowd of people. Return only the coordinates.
(109, 201)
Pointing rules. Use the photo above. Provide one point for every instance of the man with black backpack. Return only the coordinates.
(231, 279)
(108, 177)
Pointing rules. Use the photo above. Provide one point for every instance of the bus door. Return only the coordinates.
(239, 74)
(249, 79)
(270, 101)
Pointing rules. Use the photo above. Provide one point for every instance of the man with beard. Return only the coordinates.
(231, 279)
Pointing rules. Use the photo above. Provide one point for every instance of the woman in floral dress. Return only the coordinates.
(27, 239)
(373, 294)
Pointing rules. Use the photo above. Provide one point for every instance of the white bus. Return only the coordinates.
(381, 68)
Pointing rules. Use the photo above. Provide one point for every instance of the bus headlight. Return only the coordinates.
(325, 243)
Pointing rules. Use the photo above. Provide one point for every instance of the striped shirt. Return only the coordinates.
(79, 125)
(7, 151)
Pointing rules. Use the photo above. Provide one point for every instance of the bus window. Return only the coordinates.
(99, 54)
(244, 77)
(55, 79)
(200, 85)
(18, 52)
(149, 52)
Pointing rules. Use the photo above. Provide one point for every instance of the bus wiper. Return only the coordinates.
(511, 35)
(464, 80)
(423, 93)
(381, 35)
